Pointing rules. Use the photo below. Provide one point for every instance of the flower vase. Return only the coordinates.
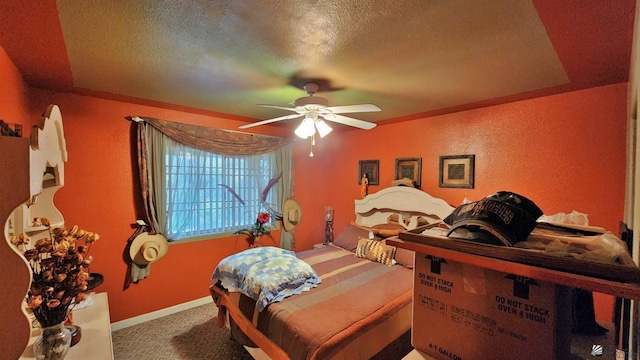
(253, 240)
(53, 343)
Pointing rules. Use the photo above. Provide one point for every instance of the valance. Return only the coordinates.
(216, 140)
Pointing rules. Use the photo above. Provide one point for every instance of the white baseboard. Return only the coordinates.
(160, 313)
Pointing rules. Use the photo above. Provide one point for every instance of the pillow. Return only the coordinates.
(349, 236)
(232, 269)
(386, 230)
(375, 250)
(266, 274)
(271, 280)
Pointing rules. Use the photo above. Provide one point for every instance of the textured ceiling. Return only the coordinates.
(411, 58)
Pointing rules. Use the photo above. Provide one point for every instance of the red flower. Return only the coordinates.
(258, 228)
(263, 217)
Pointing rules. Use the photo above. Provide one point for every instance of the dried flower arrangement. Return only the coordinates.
(60, 269)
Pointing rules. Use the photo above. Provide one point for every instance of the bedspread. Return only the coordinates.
(355, 296)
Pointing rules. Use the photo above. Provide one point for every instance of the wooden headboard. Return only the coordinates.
(409, 203)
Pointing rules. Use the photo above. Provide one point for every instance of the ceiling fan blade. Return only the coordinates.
(286, 117)
(361, 124)
(277, 107)
(352, 108)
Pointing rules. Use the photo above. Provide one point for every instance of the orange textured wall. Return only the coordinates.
(13, 102)
(564, 152)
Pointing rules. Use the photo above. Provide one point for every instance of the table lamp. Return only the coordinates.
(328, 229)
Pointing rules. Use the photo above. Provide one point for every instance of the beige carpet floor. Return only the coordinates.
(187, 335)
(194, 335)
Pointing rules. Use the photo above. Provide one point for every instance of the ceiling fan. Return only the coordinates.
(314, 110)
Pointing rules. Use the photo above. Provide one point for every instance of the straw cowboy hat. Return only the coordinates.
(291, 214)
(146, 248)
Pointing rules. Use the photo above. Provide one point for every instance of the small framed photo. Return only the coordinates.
(409, 168)
(457, 171)
(372, 169)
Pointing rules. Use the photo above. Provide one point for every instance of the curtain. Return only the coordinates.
(217, 141)
(287, 190)
(145, 159)
(137, 272)
(159, 134)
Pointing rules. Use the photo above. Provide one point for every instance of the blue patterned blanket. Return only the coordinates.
(266, 274)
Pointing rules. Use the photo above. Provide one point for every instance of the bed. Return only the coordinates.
(361, 304)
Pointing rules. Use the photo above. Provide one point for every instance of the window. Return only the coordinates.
(208, 194)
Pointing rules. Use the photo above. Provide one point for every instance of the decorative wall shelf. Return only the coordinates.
(36, 168)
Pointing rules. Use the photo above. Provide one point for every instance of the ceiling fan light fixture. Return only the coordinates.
(306, 128)
(323, 128)
(315, 110)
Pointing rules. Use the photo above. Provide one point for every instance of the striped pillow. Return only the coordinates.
(375, 250)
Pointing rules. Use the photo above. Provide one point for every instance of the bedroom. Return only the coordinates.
(578, 163)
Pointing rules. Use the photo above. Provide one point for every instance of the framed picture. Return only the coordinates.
(409, 168)
(457, 171)
(372, 169)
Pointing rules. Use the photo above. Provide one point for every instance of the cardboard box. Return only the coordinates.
(462, 311)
